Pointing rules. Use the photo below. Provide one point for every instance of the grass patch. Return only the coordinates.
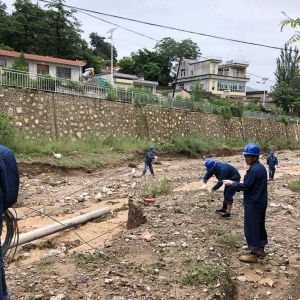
(228, 239)
(201, 273)
(155, 189)
(85, 258)
(294, 185)
(29, 286)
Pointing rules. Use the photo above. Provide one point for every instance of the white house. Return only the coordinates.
(39, 64)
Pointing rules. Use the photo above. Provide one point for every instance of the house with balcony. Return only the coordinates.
(44, 65)
(123, 80)
(218, 78)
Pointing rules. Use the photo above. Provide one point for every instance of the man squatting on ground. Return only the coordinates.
(222, 171)
(9, 188)
(255, 188)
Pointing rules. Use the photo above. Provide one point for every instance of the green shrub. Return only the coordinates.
(7, 131)
(294, 185)
(162, 187)
(201, 273)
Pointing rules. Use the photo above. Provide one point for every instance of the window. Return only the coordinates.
(235, 72)
(181, 86)
(63, 72)
(191, 72)
(2, 62)
(226, 72)
(232, 86)
(182, 72)
(42, 69)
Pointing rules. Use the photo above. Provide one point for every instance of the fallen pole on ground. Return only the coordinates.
(62, 225)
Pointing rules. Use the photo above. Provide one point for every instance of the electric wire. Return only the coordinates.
(170, 27)
(12, 235)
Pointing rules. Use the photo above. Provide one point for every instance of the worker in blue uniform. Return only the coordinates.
(150, 156)
(272, 162)
(9, 189)
(221, 171)
(255, 188)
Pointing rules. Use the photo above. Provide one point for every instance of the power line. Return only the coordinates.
(170, 27)
(141, 34)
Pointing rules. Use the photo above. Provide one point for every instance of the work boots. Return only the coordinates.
(250, 258)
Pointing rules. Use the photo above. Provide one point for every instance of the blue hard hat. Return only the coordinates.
(209, 164)
(271, 152)
(251, 149)
(151, 148)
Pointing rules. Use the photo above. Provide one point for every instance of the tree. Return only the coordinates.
(287, 65)
(157, 65)
(101, 48)
(286, 92)
(293, 23)
(20, 63)
(287, 95)
(126, 65)
(197, 91)
(171, 49)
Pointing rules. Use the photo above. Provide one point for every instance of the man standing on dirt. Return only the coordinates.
(272, 162)
(150, 156)
(9, 188)
(255, 187)
(222, 171)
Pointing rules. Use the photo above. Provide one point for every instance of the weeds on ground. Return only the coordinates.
(294, 185)
(155, 189)
(228, 239)
(201, 273)
(84, 258)
(45, 263)
(29, 286)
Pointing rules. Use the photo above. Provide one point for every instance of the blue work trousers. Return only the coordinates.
(254, 227)
(229, 192)
(271, 172)
(147, 164)
(4, 294)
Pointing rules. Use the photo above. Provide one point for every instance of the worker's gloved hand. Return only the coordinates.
(155, 157)
(276, 167)
(228, 182)
(204, 186)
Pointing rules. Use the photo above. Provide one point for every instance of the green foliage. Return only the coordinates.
(252, 107)
(7, 131)
(287, 95)
(293, 23)
(85, 258)
(101, 48)
(228, 239)
(200, 273)
(162, 187)
(20, 63)
(111, 95)
(294, 185)
(197, 91)
(157, 65)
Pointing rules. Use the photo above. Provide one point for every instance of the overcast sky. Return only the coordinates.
(248, 20)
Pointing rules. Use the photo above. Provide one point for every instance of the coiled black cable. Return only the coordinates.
(10, 224)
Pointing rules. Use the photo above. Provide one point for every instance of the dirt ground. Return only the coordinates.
(103, 260)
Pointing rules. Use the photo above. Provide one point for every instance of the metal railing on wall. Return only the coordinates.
(32, 81)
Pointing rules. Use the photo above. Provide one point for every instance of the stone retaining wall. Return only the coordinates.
(43, 114)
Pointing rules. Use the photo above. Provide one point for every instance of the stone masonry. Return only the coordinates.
(53, 115)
